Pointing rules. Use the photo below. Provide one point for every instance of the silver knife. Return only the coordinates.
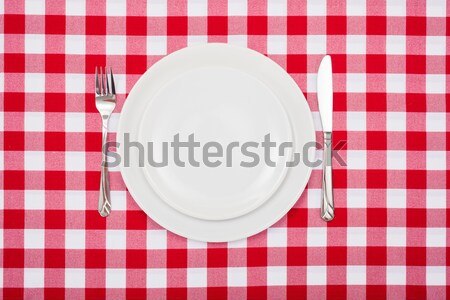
(325, 97)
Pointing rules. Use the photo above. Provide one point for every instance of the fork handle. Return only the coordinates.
(327, 207)
(104, 200)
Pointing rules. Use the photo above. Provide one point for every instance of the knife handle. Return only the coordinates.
(327, 207)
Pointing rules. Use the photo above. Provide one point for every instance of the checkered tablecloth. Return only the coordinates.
(390, 235)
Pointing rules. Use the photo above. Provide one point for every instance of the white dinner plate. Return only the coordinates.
(225, 95)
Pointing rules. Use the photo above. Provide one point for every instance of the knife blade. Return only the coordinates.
(325, 99)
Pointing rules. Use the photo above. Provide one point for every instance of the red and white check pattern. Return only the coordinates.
(390, 236)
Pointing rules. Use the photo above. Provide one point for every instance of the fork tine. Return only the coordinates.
(97, 84)
(113, 87)
(107, 84)
(102, 78)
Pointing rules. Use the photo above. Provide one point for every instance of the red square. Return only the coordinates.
(375, 292)
(95, 25)
(376, 256)
(54, 258)
(95, 258)
(339, 101)
(55, 102)
(55, 219)
(376, 179)
(136, 64)
(336, 256)
(257, 25)
(14, 24)
(416, 102)
(416, 141)
(14, 219)
(136, 25)
(257, 292)
(96, 293)
(12, 293)
(416, 217)
(14, 140)
(416, 256)
(339, 63)
(54, 293)
(176, 258)
(340, 219)
(416, 179)
(376, 217)
(296, 63)
(217, 293)
(93, 141)
(297, 217)
(93, 221)
(176, 293)
(92, 179)
(337, 292)
(136, 293)
(376, 140)
(89, 103)
(375, 63)
(416, 64)
(55, 180)
(340, 178)
(376, 102)
(13, 180)
(55, 141)
(136, 259)
(417, 292)
(416, 26)
(14, 62)
(296, 256)
(14, 102)
(296, 292)
(296, 25)
(339, 139)
(55, 63)
(336, 25)
(93, 61)
(217, 25)
(136, 220)
(257, 257)
(177, 25)
(217, 257)
(55, 24)
(13, 258)
(376, 25)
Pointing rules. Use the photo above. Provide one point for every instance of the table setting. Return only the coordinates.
(199, 149)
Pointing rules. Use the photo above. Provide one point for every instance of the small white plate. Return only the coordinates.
(218, 93)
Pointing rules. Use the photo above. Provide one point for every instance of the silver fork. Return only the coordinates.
(105, 101)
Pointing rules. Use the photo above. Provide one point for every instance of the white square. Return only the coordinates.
(316, 115)
(34, 43)
(156, 239)
(314, 197)
(34, 238)
(75, 122)
(33, 277)
(436, 121)
(237, 40)
(75, 44)
(356, 120)
(116, 239)
(356, 159)
(75, 8)
(316, 44)
(356, 8)
(316, 236)
(436, 237)
(395, 121)
(356, 275)
(116, 45)
(34, 199)
(116, 7)
(395, 83)
(156, 8)
(34, 82)
(316, 7)
(276, 276)
(2, 197)
(157, 45)
(34, 7)
(75, 161)
(75, 238)
(356, 44)
(2, 84)
(196, 277)
(276, 44)
(197, 40)
(436, 198)
(75, 83)
(156, 278)
(242, 243)
(316, 275)
(436, 45)
(395, 275)
(120, 200)
(435, 83)
(276, 237)
(436, 160)
(396, 198)
(197, 8)
(116, 278)
(34, 160)
(237, 276)
(237, 7)
(436, 8)
(193, 244)
(277, 7)
(2, 11)
(396, 44)
(436, 275)
(311, 85)
(357, 236)
(114, 122)
(356, 198)
(396, 8)
(75, 278)
(356, 82)
(34, 121)
(396, 237)
(396, 159)
(76, 200)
